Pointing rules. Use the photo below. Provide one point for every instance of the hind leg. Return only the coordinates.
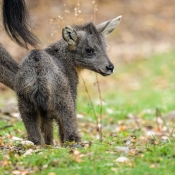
(61, 133)
(48, 132)
(47, 127)
(31, 121)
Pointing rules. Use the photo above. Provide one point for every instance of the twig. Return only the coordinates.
(158, 114)
(137, 122)
(90, 100)
(172, 131)
(101, 109)
(95, 11)
(6, 126)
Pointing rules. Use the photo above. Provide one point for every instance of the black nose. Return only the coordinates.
(110, 67)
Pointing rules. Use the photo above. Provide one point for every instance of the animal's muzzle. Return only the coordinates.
(110, 68)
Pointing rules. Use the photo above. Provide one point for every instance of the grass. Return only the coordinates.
(136, 91)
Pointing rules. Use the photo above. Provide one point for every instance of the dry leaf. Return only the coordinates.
(122, 159)
(28, 152)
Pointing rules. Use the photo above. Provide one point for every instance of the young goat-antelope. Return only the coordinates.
(46, 82)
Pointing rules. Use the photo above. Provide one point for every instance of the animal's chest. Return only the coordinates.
(68, 71)
(60, 77)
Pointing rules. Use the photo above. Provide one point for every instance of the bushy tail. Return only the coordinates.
(16, 23)
(8, 68)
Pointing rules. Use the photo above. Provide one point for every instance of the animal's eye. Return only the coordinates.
(90, 51)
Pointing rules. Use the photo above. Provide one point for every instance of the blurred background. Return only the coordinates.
(147, 26)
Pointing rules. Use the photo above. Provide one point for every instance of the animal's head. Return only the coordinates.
(88, 45)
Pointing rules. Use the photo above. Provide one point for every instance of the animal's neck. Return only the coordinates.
(71, 74)
(65, 60)
(69, 58)
(70, 68)
(69, 64)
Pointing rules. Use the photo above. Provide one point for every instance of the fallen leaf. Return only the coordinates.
(16, 138)
(122, 159)
(28, 152)
(27, 143)
(122, 149)
(52, 173)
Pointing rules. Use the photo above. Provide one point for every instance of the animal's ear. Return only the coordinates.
(107, 27)
(70, 36)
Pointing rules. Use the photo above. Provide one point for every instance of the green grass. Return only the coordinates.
(137, 89)
(139, 85)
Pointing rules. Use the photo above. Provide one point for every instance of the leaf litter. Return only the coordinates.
(128, 139)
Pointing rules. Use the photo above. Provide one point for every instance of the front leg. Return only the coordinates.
(31, 121)
(67, 122)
